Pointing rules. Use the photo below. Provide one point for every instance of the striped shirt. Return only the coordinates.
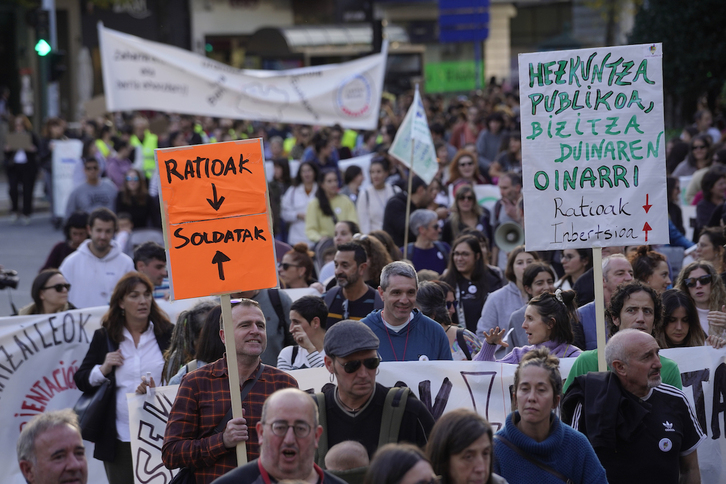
(201, 403)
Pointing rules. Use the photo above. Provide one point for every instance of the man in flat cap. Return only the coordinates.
(358, 408)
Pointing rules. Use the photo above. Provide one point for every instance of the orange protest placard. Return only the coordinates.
(216, 218)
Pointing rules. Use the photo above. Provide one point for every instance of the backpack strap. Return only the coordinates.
(377, 301)
(462, 343)
(393, 411)
(322, 449)
(441, 248)
(330, 295)
(274, 295)
(295, 350)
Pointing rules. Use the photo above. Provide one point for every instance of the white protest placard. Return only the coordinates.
(140, 74)
(66, 156)
(593, 147)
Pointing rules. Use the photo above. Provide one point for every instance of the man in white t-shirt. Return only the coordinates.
(308, 317)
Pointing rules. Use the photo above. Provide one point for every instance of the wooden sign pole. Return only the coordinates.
(599, 307)
(234, 388)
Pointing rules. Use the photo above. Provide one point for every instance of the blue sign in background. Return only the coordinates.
(463, 20)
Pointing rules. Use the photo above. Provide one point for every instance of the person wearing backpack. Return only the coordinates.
(357, 407)
(307, 326)
(428, 252)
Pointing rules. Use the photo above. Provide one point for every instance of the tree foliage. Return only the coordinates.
(694, 46)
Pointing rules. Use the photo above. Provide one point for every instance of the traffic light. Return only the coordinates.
(57, 65)
(41, 22)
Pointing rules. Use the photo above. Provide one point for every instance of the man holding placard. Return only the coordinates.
(195, 434)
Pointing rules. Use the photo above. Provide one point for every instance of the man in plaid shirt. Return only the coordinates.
(203, 400)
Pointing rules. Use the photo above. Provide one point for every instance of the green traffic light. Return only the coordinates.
(42, 47)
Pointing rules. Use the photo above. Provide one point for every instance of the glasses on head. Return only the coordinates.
(132, 178)
(353, 365)
(699, 147)
(301, 429)
(59, 287)
(703, 280)
(450, 304)
(285, 266)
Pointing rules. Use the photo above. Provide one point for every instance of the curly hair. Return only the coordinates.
(672, 300)
(378, 257)
(385, 238)
(617, 302)
(718, 289)
(542, 358)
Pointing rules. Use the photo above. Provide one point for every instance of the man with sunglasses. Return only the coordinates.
(633, 306)
(288, 434)
(95, 192)
(355, 407)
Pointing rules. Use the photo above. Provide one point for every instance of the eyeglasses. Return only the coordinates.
(59, 287)
(467, 197)
(462, 254)
(699, 147)
(450, 304)
(466, 163)
(132, 178)
(91, 167)
(285, 266)
(301, 429)
(353, 365)
(703, 280)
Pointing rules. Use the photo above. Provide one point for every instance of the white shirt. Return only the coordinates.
(138, 360)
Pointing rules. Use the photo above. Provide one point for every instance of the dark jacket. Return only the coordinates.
(105, 448)
(394, 218)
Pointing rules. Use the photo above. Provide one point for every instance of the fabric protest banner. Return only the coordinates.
(66, 157)
(145, 75)
(414, 130)
(480, 386)
(593, 147)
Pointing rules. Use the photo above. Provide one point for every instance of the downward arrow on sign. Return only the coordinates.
(216, 203)
(646, 207)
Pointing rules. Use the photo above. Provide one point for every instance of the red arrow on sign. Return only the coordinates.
(646, 228)
(646, 207)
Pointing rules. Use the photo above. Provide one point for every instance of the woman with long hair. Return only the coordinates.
(651, 268)
(575, 262)
(297, 270)
(460, 449)
(713, 188)
(699, 157)
(21, 166)
(188, 326)
(132, 339)
(710, 248)
(431, 300)
(534, 428)
(680, 325)
(296, 199)
(510, 158)
(135, 200)
(209, 346)
(465, 213)
(707, 291)
(50, 294)
(464, 168)
(327, 208)
(471, 278)
(399, 464)
(547, 324)
(501, 303)
(378, 258)
(385, 238)
(352, 180)
(372, 201)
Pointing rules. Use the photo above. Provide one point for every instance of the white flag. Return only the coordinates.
(415, 129)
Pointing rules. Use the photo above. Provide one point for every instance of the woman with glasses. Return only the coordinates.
(533, 432)
(707, 291)
(680, 327)
(464, 168)
(327, 208)
(400, 464)
(710, 248)
(50, 294)
(465, 213)
(296, 199)
(431, 299)
(575, 262)
(428, 252)
(135, 200)
(135, 333)
(460, 449)
(472, 280)
(699, 157)
(296, 269)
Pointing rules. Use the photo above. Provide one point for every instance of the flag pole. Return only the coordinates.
(408, 201)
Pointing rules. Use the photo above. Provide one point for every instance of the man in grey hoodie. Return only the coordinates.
(96, 266)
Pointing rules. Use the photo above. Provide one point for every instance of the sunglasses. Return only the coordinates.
(699, 147)
(467, 197)
(285, 266)
(703, 280)
(353, 365)
(450, 304)
(59, 287)
(132, 178)
(466, 163)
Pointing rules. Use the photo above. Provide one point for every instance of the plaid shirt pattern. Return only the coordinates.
(201, 403)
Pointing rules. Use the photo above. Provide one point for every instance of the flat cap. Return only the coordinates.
(347, 337)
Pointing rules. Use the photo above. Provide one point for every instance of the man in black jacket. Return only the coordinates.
(395, 214)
